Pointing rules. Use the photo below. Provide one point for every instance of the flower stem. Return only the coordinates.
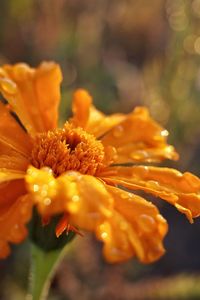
(43, 266)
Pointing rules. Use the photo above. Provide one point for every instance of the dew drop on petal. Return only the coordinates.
(28, 127)
(48, 170)
(43, 193)
(118, 131)
(51, 183)
(124, 196)
(8, 86)
(153, 184)
(35, 187)
(146, 222)
(47, 201)
(139, 155)
(145, 169)
(164, 133)
(75, 198)
(21, 71)
(16, 233)
(104, 235)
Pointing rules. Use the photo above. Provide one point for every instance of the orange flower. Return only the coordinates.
(79, 171)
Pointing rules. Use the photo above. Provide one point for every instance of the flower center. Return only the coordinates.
(66, 149)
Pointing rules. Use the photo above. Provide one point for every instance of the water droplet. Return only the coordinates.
(47, 201)
(124, 196)
(8, 86)
(29, 127)
(118, 131)
(153, 184)
(75, 198)
(16, 232)
(72, 173)
(146, 222)
(48, 170)
(43, 193)
(51, 183)
(104, 235)
(146, 169)
(139, 155)
(21, 71)
(164, 133)
(35, 187)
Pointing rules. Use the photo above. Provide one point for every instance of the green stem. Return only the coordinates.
(42, 270)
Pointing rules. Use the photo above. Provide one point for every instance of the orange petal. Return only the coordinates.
(34, 94)
(13, 161)
(9, 192)
(12, 223)
(7, 175)
(89, 118)
(64, 225)
(81, 107)
(127, 226)
(181, 190)
(138, 138)
(15, 144)
(70, 193)
(136, 228)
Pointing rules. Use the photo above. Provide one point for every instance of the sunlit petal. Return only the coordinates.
(88, 117)
(84, 197)
(181, 190)
(12, 223)
(138, 138)
(136, 228)
(15, 144)
(34, 94)
(10, 191)
(7, 174)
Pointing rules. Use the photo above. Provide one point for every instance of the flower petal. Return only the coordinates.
(135, 228)
(7, 175)
(9, 192)
(127, 224)
(70, 193)
(89, 118)
(138, 138)
(34, 94)
(181, 190)
(15, 144)
(12, 223)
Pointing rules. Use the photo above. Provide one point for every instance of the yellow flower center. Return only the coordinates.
(67, 149)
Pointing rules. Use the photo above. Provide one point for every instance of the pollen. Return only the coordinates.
(67, 149)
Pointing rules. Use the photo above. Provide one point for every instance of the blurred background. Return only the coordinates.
(126, 53)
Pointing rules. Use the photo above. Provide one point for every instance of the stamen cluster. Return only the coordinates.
(69, 148)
